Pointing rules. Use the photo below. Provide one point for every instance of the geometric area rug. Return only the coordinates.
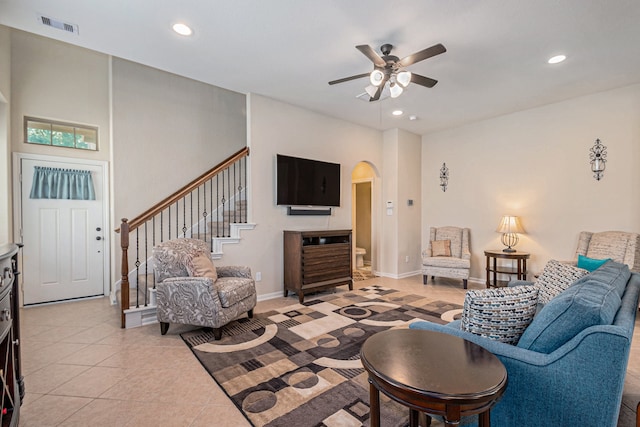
(300, 365)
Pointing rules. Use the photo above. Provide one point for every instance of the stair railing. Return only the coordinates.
(222, 190)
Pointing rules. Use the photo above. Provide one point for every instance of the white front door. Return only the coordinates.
(63, 240)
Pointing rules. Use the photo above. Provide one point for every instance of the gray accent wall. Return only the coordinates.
(167, 130)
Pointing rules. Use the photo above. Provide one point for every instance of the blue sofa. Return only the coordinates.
(569, 366)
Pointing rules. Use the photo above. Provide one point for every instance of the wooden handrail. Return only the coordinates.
(160, 206)
(129, 225)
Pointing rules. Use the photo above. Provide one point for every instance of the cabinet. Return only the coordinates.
(493, 268)
(10, 372)
(316, 260)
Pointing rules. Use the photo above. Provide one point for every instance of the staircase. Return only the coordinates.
(213, 207)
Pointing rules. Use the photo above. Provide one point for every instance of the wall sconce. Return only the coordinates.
(510, 227)
(444, 176)
(598, 159)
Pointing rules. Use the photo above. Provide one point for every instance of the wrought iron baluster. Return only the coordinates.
(191, 214)
(137, 267)
(198, 211)
(154, 244)
(184, 217)
(146, 265)
(235, 198)
(223, 205)
(242, 202)
(228, 227)
(204, 205)
(211, 210)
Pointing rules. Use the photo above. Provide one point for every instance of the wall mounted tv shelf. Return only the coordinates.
(316, 260)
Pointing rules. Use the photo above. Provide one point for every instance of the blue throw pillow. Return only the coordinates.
(586, 303)
(590, 264)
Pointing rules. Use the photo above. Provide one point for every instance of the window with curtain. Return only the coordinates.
(55, 183)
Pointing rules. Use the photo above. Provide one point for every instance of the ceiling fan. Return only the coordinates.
(391, 69)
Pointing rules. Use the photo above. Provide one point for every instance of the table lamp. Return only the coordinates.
(510, 227)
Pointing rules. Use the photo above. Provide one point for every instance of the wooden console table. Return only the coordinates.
(493, 268)
(316, 260)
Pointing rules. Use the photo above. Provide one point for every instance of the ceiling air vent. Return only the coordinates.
(64, 26)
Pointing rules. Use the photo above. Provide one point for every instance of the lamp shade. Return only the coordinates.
(510, 224)
(403, 78)
(396, 90)
(376, 77)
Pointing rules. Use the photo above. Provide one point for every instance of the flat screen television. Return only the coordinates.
(305, 182)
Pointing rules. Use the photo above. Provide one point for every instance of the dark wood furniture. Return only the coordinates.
(316, 260)
(434, 373)
(493, 268)
(10, 370)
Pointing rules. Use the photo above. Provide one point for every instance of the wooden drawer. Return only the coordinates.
(321, 275)
(5, 315)
(325, 252)
(6, 274)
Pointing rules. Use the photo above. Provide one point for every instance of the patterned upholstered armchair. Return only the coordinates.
(442, 259)
(190, 290)
(620, 246)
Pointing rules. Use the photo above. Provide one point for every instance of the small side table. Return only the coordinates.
(493, 269)
(432, 372)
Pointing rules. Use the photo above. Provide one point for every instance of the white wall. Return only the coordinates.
(535, 164)
(409, 217)
(276, 127)
(401, 222)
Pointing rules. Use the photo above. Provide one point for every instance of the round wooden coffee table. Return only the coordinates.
(431, 372)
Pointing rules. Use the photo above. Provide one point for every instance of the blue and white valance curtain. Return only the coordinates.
(55, 183)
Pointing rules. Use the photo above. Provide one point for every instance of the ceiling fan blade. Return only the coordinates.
(376, 96)
(346, 79)
(371, 54)
(422, 55)
(422, 80)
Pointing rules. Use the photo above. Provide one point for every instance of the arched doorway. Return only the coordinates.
(364, 218)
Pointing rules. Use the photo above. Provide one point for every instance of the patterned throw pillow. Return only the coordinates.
(555, 278)
(499, 314)
(201, 266)
(441, 248)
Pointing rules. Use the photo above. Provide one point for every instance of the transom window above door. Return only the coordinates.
(60, 134)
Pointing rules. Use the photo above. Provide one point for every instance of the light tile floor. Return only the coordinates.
(80, 368)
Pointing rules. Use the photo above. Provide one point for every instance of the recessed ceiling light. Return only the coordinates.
(182, 29)
(556, 59)
(413, 117)
(397, 112)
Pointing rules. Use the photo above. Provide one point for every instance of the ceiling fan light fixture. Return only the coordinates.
(376, 77)
(371, 90)
(395, 89)
(403, 78)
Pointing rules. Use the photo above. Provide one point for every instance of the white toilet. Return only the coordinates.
(360, 253)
